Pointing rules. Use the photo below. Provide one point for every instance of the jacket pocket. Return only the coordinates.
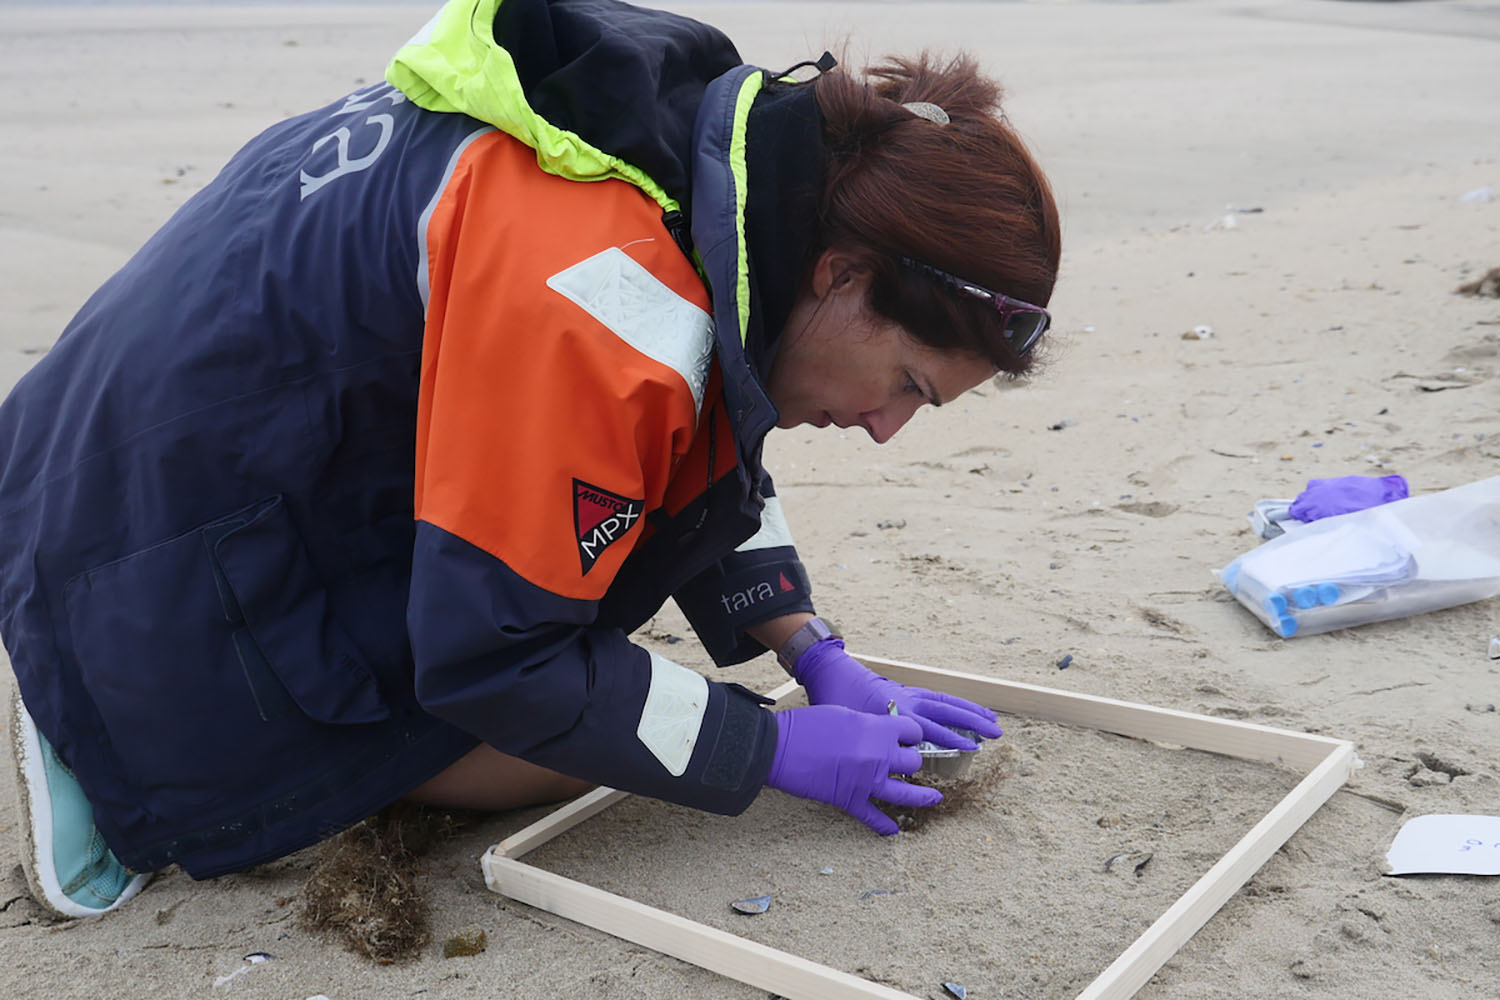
(204, 648)
(285, 612)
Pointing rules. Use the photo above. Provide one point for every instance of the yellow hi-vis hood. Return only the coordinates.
(454, 64)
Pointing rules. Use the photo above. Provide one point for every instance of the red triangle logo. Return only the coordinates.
(786, 584)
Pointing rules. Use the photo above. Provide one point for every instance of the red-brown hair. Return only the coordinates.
(966, 197)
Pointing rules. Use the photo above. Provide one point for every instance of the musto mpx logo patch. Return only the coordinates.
(600, 518)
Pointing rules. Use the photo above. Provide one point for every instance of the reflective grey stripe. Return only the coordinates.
(673, 714)
(619, 292)
(425, 219)
(773, 529)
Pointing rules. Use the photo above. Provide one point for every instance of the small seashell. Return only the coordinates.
(1495, 647)
(252, 960)
(957, 991)
(825, 870)
(754, 904)
(1135, 861)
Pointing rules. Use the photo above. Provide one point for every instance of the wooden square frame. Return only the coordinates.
(1327, 764)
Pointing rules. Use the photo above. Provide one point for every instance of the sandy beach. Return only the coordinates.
(1297, 187)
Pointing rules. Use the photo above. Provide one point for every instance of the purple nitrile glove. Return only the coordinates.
(845, 758)
(833, 677)
(1345, 495)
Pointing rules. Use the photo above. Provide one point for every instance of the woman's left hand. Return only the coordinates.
(833, 677)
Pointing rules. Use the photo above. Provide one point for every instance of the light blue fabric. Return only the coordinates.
(86, 869)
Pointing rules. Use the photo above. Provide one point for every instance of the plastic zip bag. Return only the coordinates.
(1398, 559)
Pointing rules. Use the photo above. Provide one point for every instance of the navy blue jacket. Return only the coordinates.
(220, 603)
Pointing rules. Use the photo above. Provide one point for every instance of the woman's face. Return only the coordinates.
(840, 364)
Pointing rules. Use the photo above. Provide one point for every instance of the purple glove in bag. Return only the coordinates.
(1345, 495)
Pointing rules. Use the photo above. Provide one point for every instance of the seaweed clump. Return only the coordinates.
(364, 888)
(971, 790)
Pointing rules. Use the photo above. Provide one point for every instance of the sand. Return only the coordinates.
(1290, 175)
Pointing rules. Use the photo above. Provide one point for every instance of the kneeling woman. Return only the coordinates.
(351, 485)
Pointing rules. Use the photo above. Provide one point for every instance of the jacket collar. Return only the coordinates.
(753, 249)
(784, 164)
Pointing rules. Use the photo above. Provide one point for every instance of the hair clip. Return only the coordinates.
(928, 110)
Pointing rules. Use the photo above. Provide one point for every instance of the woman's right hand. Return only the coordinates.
(845, 758)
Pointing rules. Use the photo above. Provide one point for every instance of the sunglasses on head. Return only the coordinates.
(1024, 322)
